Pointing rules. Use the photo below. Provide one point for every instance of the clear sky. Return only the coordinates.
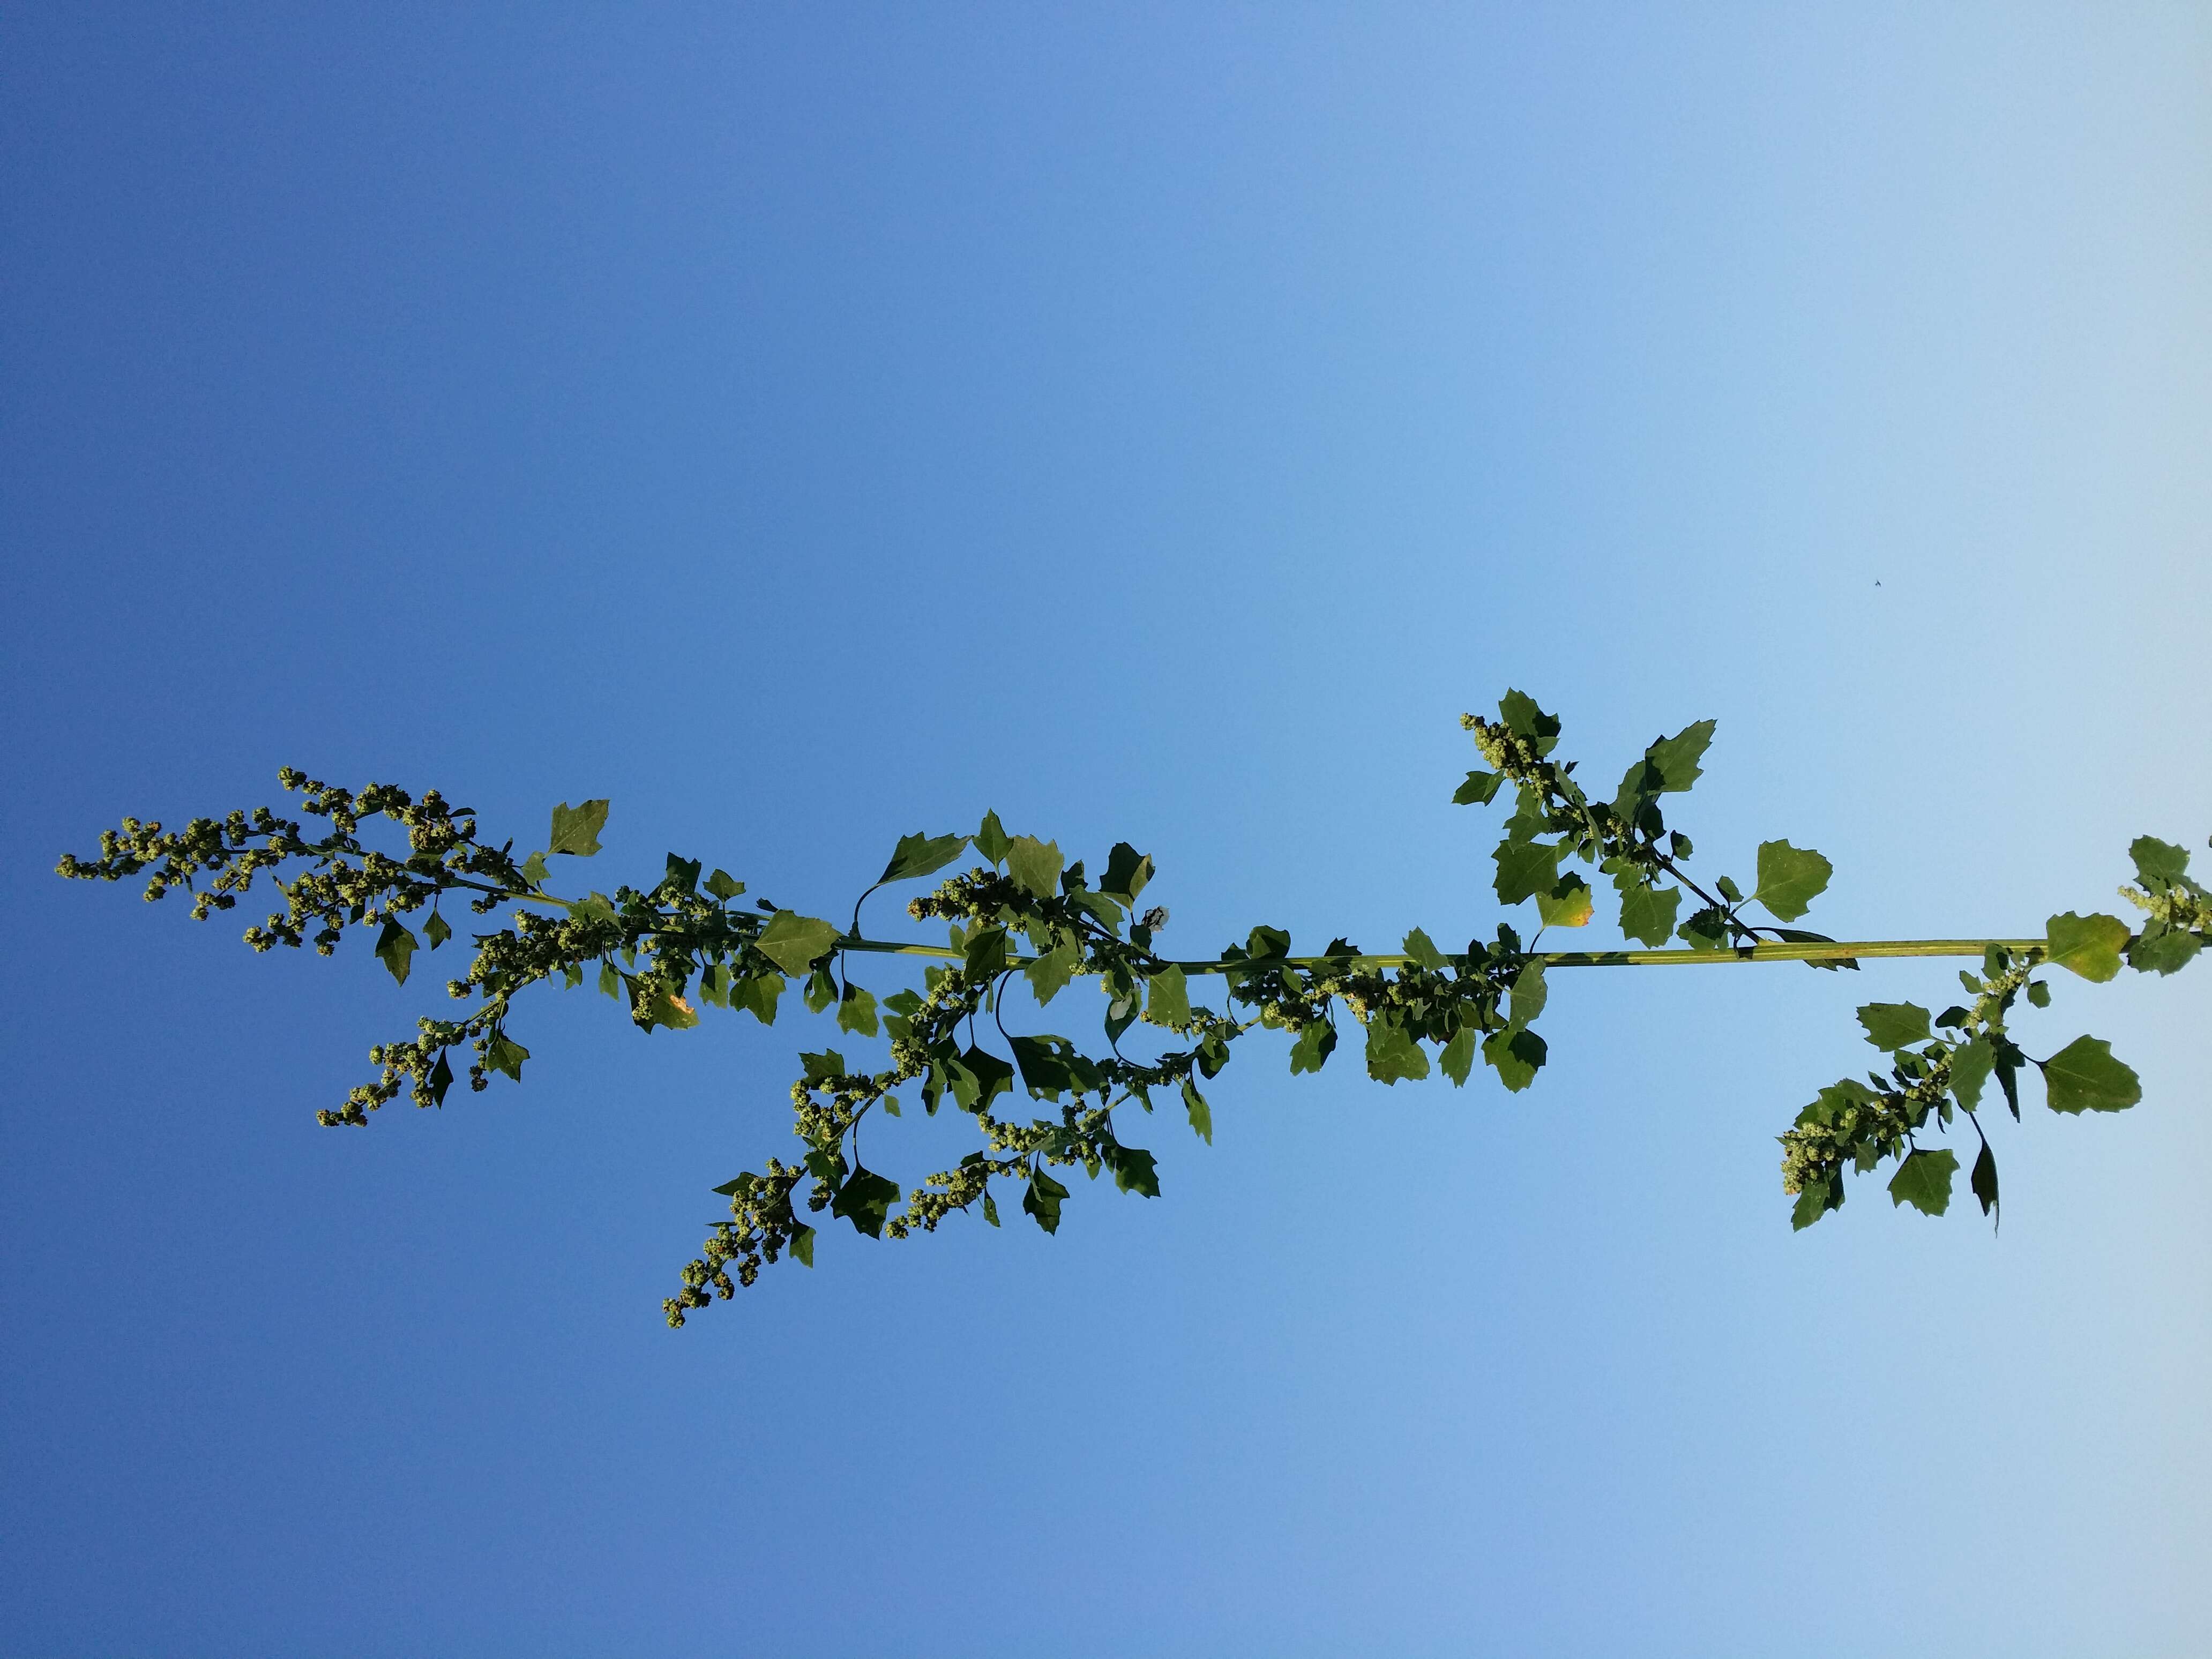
(806, 425)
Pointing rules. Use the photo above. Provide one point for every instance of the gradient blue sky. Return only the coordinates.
(806, 425)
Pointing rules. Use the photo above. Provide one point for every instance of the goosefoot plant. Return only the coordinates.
(665, 951)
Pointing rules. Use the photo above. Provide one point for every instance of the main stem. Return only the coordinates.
(1835, 950)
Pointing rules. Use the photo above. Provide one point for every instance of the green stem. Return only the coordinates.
(1838, 950)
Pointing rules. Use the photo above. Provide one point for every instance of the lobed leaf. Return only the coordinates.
(1924, 1180)
(2083, 1077)
(918, 854)
(1789, 879)
(2090, 946)
(2159, 864)
(576, 829)
(1035, 865)
(794, 942)
(1893, 1025)
(395, 945)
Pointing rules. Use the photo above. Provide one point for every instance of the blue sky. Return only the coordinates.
(1159, 424)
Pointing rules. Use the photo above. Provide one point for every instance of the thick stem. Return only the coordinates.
(1837, 950)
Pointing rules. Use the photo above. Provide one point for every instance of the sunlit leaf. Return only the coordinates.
(920, 855)
(1789, 879)
(2083, 1077)
(576, 829)
(2159, 864)
(1034, 865)
(794, 942)
(1569, 904)
(2090, 946)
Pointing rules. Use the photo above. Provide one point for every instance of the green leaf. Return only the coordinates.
(1423, 949)
(1051, 1063)
(592, 908)
(576, 829)
(1392, 1052)
(1515, 1055)
(1519, 712)
(1201, 1114)
(2084, 1077)
(1567, 905)
(1530, 819)
(1479, 789)
(2161, 949)
(394, 946)
(742, 1182)
(2008, 1061)
(825, 1067)
(1789, 879)
(865, 1200)
(533, 869)
(757, 996)
(1799, 936)
(1121, 1008)
(1676, 759)
(1893, 1025)
(441, 1079)
(506, 1054)
(1104, 906)
(683, 875)
(2089, 944)
(990, 1209)
(611, 980)
(1167, 998)
(715, 985)
(436, 930)
(918, 854)
(1814, 1200)
(1924, 1180)
(1458, 1057)
(1043, 1199)
(1647, 914)
(802, 1243)
(1985, 1180)
(821, 989)
(794, 942)
(1970, 1066)
(1528, 997)
(725, 886)
(1526, 868)
(2159, 864)
(978, 1078)
(856, 1012)
(1705, 930)
(1136, 1171)
(668, 1009)
(1035, 865)
(991, 840)
(1313, 1047)
(986, 953)
(1049, 973)
(1127, 871)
